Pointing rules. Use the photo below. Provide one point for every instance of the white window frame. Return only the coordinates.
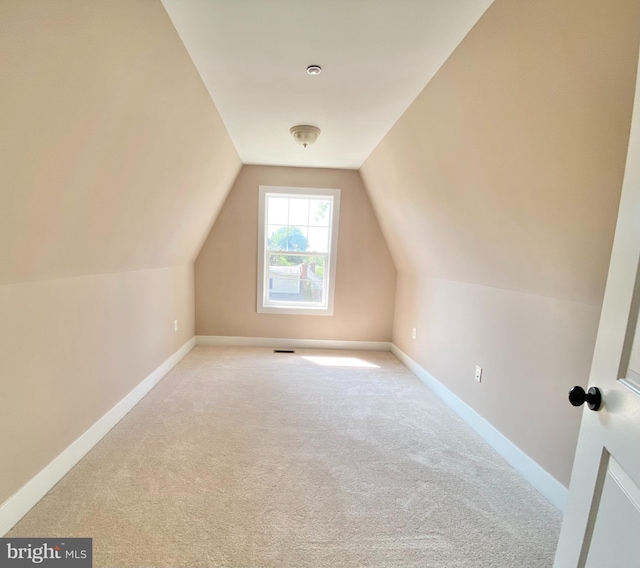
(266, 306)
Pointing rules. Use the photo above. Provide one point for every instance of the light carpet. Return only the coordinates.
(245, 458)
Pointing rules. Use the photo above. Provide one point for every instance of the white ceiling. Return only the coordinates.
(376, 57)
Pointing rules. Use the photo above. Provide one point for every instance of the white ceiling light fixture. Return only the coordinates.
(314, 69)
(304, 134)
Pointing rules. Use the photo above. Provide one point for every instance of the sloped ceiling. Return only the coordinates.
(504, 171)
(507, 169)
(112, 155)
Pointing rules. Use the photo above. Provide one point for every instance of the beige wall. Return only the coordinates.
(532, 349)
(113, 164)
(497, 192)
(71, 349)
(226, 269)
(113, 156)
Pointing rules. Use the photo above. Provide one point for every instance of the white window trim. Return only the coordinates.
(330, 274)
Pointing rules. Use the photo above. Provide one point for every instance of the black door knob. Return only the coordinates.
(593, 398)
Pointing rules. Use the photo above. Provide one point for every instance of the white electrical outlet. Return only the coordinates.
(479, 374)
(175, 325)
(413, 333)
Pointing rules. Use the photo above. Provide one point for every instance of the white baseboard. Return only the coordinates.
(19, 504)
(293, 343)
(542, 480)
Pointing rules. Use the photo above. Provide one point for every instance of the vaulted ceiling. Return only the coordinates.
(114, 157)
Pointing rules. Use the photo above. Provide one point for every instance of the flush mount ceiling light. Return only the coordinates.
(314, 69)
(304, 134)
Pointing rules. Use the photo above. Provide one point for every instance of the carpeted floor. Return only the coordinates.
(245, 458)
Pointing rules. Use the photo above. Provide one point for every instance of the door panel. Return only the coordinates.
(601, 526)
(615, 544)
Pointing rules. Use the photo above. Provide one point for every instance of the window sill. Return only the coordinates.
(295, 311)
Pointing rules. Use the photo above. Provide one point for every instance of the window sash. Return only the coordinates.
(270, 302)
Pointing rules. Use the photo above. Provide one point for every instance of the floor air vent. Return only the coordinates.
(284, 351)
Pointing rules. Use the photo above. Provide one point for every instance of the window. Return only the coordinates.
(297, 243)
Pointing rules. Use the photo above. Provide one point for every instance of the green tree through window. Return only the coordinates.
(288, 238)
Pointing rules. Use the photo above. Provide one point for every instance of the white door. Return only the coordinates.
(601, 527)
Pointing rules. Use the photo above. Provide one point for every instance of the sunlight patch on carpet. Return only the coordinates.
(341, 362)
